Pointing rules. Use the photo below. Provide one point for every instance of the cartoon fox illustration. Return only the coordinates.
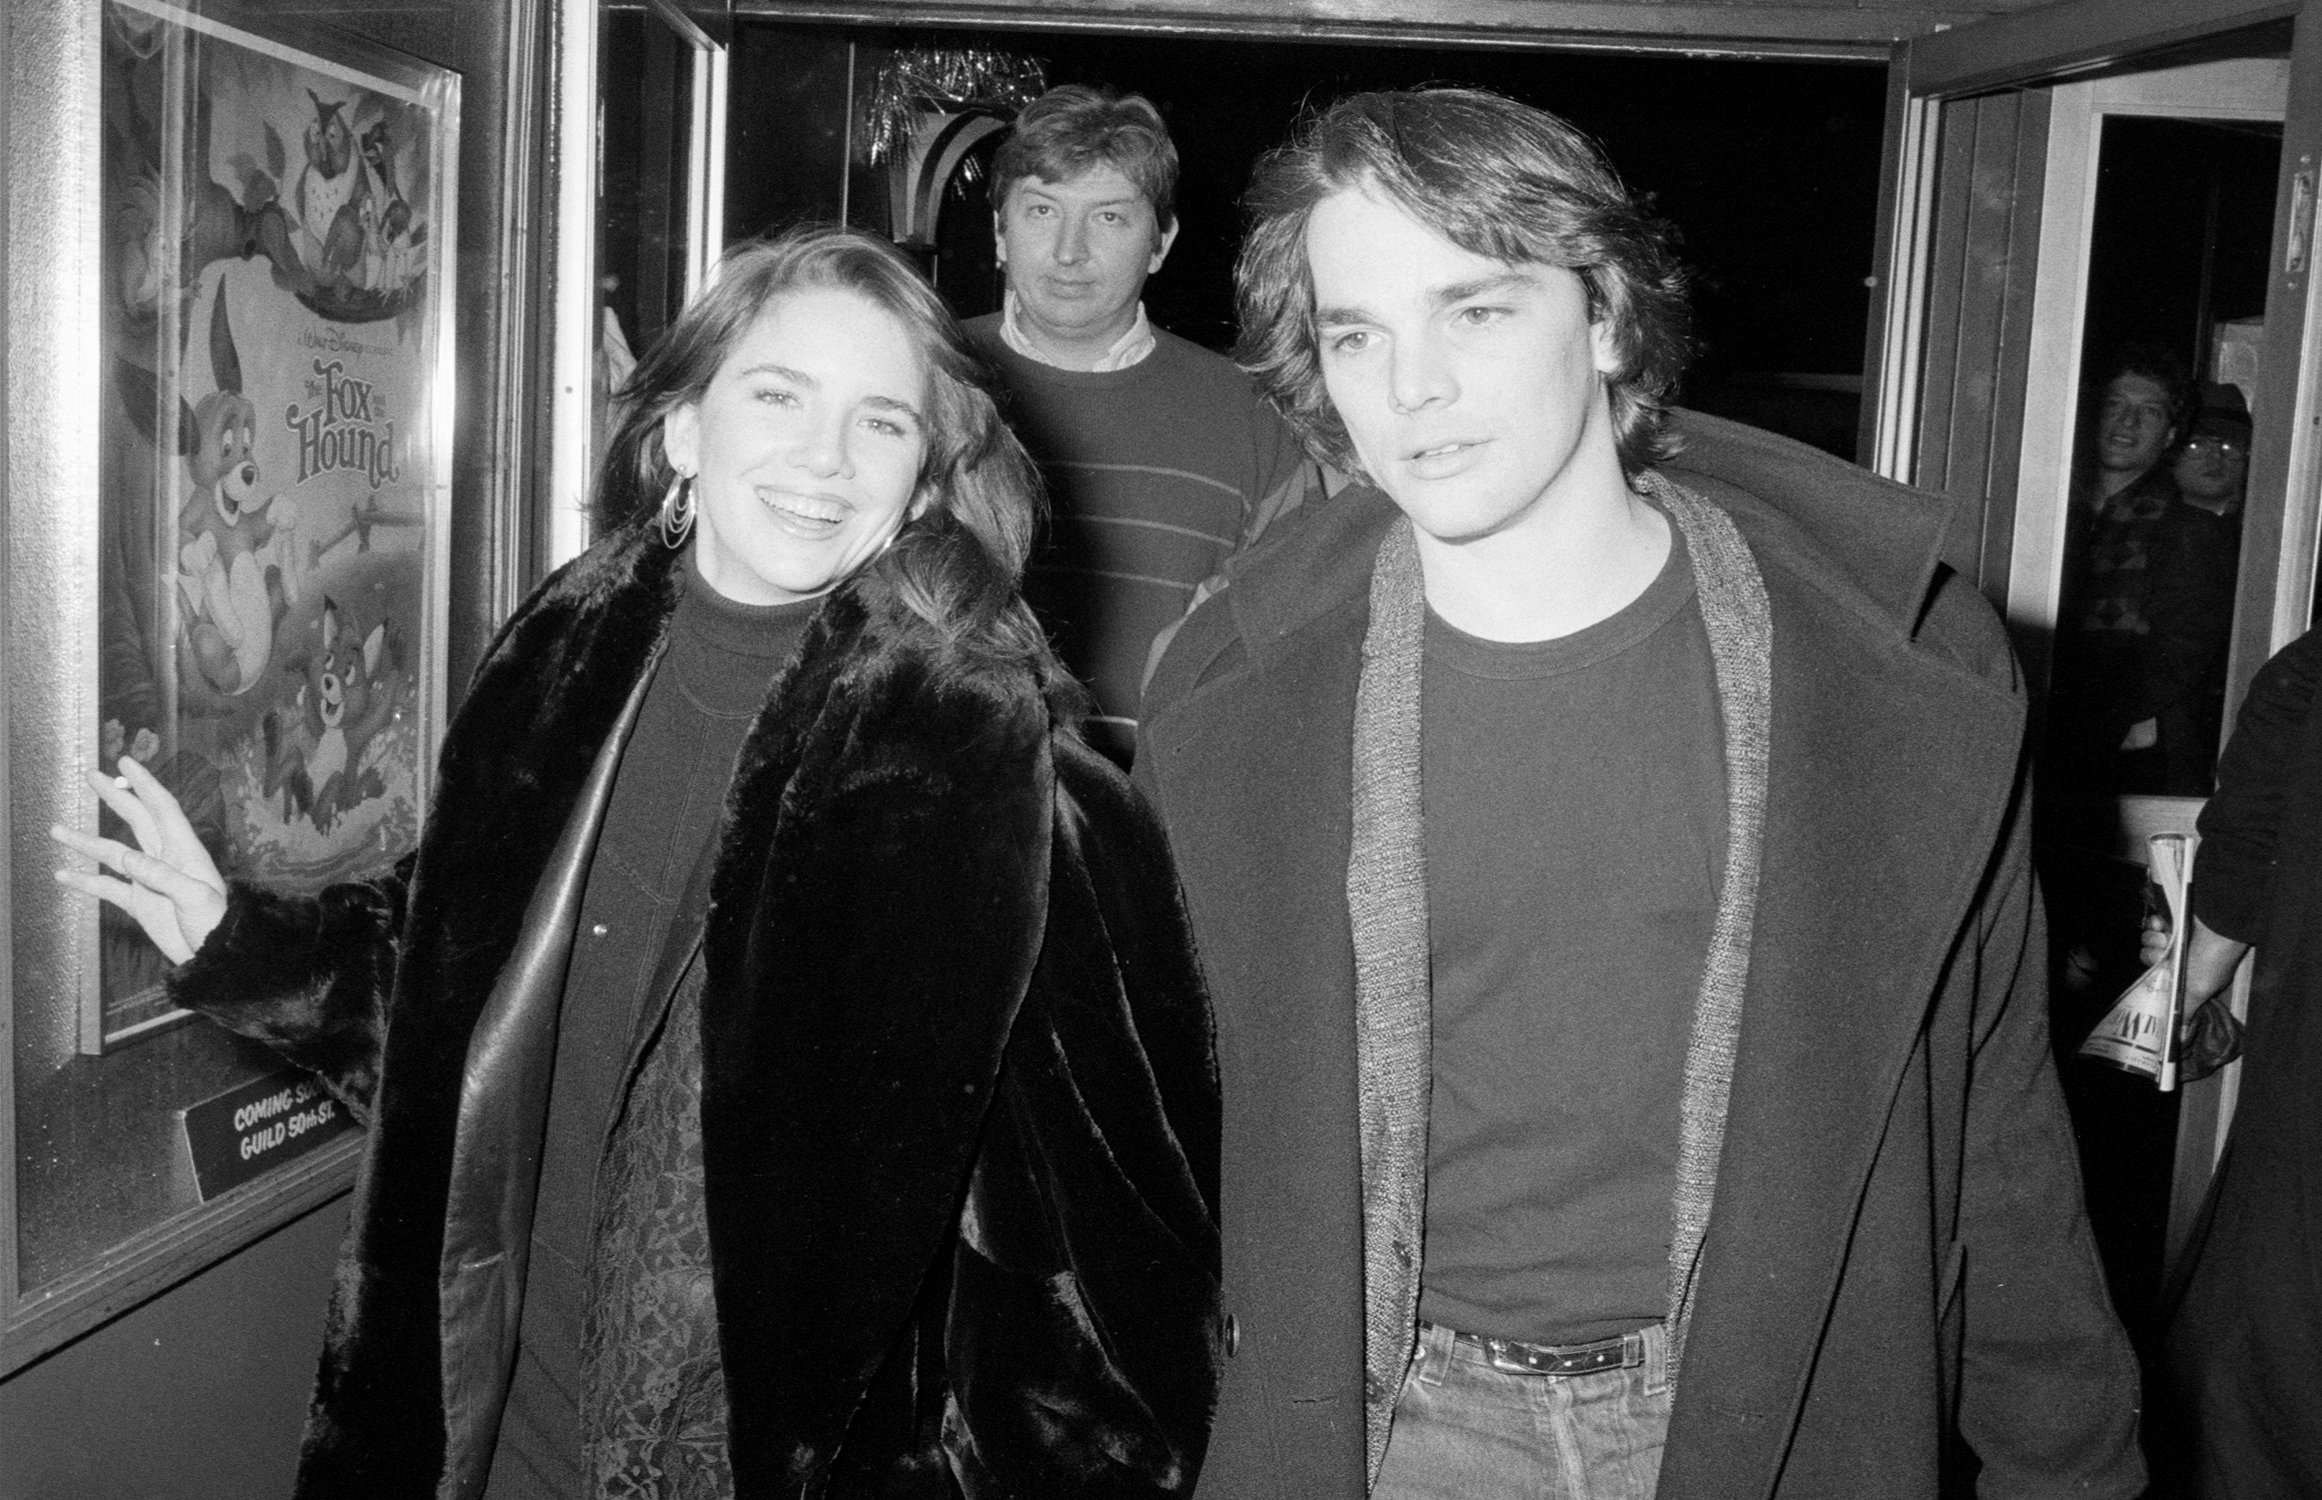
(349, 693)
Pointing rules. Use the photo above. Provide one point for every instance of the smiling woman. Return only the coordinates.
(804, 452)
(729, 1043)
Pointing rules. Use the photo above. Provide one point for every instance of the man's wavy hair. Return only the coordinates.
(1498, 179)
(1075, 128)
(955, 564)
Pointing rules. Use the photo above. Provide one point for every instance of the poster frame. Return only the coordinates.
(56, 377)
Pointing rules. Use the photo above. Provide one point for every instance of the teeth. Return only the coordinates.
(808, 508)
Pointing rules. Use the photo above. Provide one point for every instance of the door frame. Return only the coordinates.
(1915, 366)
(2056, 332)
(1912, 359)
(572, 261)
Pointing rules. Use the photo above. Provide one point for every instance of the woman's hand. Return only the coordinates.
(170, 885)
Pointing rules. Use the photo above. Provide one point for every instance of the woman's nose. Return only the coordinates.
(822, 450)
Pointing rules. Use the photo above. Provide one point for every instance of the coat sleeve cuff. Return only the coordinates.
(307, 975)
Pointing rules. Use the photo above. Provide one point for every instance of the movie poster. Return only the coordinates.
(268, 481)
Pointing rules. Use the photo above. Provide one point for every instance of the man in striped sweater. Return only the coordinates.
(1161, 458)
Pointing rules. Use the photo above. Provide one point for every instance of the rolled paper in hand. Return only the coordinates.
(2139, 1033)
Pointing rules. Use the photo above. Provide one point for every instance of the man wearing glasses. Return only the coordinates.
(2196, 565)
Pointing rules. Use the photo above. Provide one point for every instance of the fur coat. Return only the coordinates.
(959, 1107)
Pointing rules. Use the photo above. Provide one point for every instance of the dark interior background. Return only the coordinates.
(2184, 214)
(1769, 170)
(2179, 242)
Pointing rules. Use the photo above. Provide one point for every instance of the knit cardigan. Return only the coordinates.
(1387, 905)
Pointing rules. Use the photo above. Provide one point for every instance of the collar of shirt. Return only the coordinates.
(1130, 348)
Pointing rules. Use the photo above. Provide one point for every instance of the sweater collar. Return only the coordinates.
(1130, 348)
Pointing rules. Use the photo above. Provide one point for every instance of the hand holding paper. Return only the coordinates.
(2139, 1033)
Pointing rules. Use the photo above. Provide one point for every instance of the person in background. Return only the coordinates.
(2135, 623)
(2212, 464)
(785, 1065)
(2243, 1340)
(2196, 570)
(1161, 458)
(1609, 863)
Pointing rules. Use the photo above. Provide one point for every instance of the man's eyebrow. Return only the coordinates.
(1442, 296)
(1113, 202)
(1481, 286)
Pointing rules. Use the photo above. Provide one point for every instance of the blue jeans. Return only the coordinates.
(1465, 1430)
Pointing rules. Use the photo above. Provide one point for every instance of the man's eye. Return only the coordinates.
(1477, 317)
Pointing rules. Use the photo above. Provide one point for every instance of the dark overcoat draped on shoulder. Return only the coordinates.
(958, 1101)
(1897, 1251)
(2244, 1343)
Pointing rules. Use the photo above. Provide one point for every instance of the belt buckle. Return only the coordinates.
(1514, 1357)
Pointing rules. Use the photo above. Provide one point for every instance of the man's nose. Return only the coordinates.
(1072, 240)
(1418, 375)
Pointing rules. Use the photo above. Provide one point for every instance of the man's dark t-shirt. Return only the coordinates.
(1574, 797)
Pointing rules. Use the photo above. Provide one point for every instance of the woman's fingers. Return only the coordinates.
(156, 821)
(160, 875)
(170, 885)
(81, 843)
(164, 919)
(149, 789)
(119, 892)
(153, 815)
(126, 807)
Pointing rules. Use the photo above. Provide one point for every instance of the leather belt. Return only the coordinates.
(1515, 1357)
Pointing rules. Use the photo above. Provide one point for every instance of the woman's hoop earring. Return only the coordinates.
(677, 513)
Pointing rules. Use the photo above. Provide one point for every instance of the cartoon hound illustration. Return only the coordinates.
(230, 561)
(348, 694)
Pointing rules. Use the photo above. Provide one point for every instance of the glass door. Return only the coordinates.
(2098, 335)
(2147, 329)
(639, 218)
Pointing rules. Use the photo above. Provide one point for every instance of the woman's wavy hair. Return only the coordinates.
(1498, 179)
(956, 563)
